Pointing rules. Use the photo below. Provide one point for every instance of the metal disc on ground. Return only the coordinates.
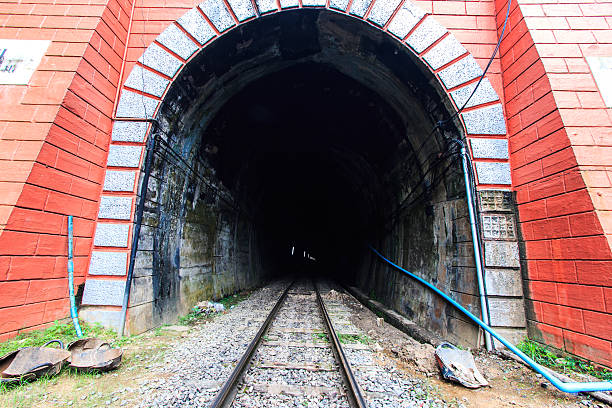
(33, 362)
(459, 366)
(93, 354)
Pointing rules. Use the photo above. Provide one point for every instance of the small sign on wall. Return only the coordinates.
(601, 67)
(19, 59)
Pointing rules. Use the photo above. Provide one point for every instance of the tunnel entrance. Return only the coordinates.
(304, 134)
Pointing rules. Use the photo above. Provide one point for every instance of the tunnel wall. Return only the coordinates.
(56, 130)
(194, 245)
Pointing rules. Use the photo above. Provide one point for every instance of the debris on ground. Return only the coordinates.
(335, 295)
(208, 307)
(94, 355)
(29, 363)
(458, 365)
(421, 356)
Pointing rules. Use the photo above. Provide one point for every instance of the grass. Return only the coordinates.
(58, 331)
(88, 390)
(234, 299)
(342, 338)
(545, 356)
(61, 331)
(353, 338)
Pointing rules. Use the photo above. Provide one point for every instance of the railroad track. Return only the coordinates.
(295, 358)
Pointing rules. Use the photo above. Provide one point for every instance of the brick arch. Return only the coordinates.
(453, 67)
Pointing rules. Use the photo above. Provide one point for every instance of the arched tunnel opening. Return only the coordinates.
(305, 135)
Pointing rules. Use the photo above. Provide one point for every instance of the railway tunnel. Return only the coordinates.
(289, 146)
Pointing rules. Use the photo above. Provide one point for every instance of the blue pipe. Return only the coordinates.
(484, 305)
(571, 387)
(73, 309)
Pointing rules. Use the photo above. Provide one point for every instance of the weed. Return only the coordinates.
(353, 338)
(233, 300)
(320, 337)
(372, 294)
(192, 317)
(197, 315)
(546, 357)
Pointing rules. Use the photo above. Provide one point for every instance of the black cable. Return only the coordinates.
(177, 155)
(405, 204)
(196, 174)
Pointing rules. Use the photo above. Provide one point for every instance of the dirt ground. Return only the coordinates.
(510, 383)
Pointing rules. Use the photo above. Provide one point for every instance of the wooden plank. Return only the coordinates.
(296, 330)
(295, 366)
(348, 346)
(295, 390)
(296, 344)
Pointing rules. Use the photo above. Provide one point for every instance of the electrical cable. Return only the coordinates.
(230, 202)
(405, 204)
(177, 161)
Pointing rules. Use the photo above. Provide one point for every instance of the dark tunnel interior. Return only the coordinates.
(307, 151)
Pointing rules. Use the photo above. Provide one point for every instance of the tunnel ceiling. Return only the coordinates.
(274, 43)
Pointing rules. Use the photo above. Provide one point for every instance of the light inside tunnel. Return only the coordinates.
(315, 133)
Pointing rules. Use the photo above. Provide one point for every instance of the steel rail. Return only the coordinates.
(354, 395)
(225, 396)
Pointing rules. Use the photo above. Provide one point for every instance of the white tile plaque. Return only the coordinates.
(601, 67)
(19, 59)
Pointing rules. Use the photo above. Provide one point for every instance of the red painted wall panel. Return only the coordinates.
(53, 142)
(561, 166)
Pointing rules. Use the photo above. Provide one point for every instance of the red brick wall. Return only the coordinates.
(53, 146)
(558, 132)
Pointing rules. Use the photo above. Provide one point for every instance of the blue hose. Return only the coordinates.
(73, 309)
(571, 387)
